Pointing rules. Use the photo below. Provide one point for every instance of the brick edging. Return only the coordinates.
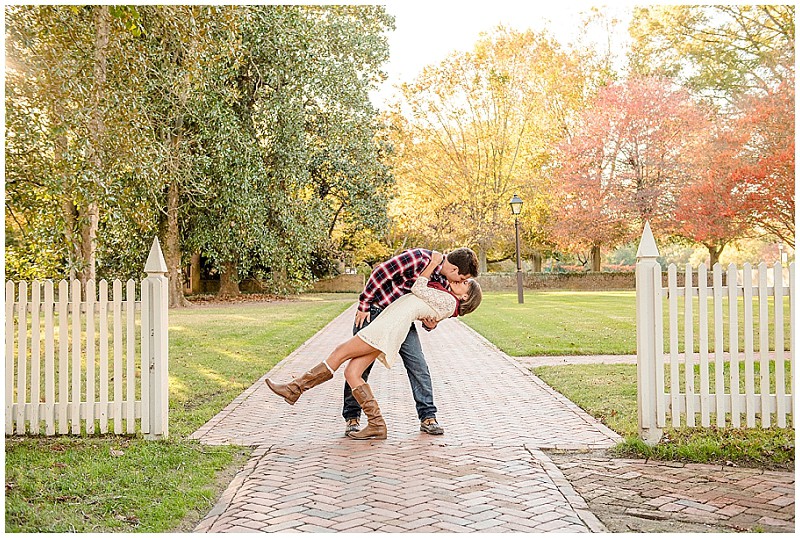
(232, 489)
(578, 504)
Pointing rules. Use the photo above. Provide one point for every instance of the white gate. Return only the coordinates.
(68, 365)
(704, 379)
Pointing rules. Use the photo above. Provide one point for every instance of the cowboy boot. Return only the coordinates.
(292, 390)
(376, 427)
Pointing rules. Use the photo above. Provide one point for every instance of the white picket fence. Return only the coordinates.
(68, 365)
(702, 395)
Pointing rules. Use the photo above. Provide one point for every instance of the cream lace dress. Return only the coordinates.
(389, 330)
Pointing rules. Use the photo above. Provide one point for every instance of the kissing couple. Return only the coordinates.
(417, 284)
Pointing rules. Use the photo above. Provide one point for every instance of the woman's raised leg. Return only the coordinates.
(356, 367)
(291, 391)
(350, 349)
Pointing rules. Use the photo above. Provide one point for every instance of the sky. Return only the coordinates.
(426, 32)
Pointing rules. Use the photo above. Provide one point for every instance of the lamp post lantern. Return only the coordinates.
(516, 209)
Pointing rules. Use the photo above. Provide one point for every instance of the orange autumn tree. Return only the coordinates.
(710, 208)
(768, 177)
(625, 164)
(744, 177)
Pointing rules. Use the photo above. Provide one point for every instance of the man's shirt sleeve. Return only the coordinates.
(392, 275)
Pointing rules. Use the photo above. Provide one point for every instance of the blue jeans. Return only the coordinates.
(417, 369)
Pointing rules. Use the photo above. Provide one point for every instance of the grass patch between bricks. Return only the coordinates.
(126, 484)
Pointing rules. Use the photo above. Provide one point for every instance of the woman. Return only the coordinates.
(381, 340)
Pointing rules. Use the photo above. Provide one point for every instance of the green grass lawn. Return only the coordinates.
(125, 484)
(603, 323)
(558, 322)
(608, 393)
(588, 323)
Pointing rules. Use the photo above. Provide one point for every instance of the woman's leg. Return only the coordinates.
(349, 349)
(354, 347)
(356, 367)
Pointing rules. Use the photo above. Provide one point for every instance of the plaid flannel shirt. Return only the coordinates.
(393, 278)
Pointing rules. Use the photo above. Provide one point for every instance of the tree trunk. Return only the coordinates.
(714, 252)
(482, 263)
(90, 221)
(194, 274)
(228, 281)
(595, 258)
(536, 260)
(172, 250)
(70, 214)
(89, 214)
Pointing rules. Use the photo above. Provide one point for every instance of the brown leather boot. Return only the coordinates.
(292, 390)
(376, 427)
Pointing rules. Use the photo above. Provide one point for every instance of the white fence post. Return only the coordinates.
(648, 281)
(155, 325)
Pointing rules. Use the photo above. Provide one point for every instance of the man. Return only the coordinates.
(389, 281)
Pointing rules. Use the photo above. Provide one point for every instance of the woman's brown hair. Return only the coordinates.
(473, 300)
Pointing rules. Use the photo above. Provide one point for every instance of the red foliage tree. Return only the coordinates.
(711, 209)
(767, 175)
(744, 178)
(625, 164)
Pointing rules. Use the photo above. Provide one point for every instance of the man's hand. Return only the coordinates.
(430, 323)
(361, 317)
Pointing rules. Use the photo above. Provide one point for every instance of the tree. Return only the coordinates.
(244, 133)
(767, 175)
(289, 143)
(723, 52)
(476, 129)
(70, 136)
(626, 163)
(710, 208)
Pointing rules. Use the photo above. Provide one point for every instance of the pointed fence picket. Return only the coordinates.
(738, 390)
(87, 327)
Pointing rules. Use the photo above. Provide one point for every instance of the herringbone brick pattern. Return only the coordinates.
(388, 487)
(487, 473)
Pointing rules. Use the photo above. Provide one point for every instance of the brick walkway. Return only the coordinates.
(487, 473)
(516, 457)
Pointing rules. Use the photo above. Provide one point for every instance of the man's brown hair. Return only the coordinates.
(473, 300)
(466, 261)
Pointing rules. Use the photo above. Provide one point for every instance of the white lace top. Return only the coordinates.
(441, 301)
(390, 329)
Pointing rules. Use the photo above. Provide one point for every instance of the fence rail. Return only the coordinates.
(750, 378)
(87, 359)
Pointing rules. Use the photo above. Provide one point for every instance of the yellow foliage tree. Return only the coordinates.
(476, 129)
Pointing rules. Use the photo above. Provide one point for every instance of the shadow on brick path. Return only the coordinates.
(490, 472)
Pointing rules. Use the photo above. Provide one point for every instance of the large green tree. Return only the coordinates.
(71, 142)
(305, 129)
(243, 133)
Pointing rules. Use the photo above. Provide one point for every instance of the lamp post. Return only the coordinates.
(516, 209)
